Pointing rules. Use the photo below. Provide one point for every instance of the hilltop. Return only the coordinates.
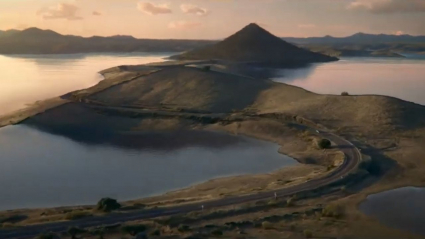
(253, 44)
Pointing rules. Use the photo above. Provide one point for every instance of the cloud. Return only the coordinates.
(184, 25)
(193, 9)
(96, 13)
(60, 11)
(153, 9)
(388, 6)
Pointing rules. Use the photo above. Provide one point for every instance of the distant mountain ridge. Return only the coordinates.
(38, 41)
(358, 38)
(255, 45)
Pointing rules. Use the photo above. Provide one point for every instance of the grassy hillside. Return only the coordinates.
(253, 44)
(185, 88)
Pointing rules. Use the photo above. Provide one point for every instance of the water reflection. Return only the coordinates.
(43, 170)
(25, 79)
(402, 208)
(401, 78)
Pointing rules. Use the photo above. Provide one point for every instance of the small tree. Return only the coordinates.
(324, 143)
(345, 93)
(107, 205)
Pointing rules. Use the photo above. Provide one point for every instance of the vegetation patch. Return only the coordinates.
(308, 234)
(107, 205)
(217, 232)
(77, 215)
(47, 235)
(13, 219)
(183, 228)
(335, 211)
(323, 143)
(267, 225)
(133, 230)
(75, 231)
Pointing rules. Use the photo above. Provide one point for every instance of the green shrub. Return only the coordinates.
(335, 211)
(272, 203)
(77, 215)
(155, 233)
(345, 93)
(267, 225)
(183, 228)
(217, 233)
(308, 234)
(133, 230)
(290, 202)
(206, 68)
(323, 143)
(107, 205)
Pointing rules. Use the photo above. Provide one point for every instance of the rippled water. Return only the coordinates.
(401, 78)
(25, 79)
(402, 208)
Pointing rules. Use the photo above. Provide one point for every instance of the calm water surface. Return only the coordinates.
(43, 170)
(401, 78)
(402, 208)
(25, 79)
(38, 169)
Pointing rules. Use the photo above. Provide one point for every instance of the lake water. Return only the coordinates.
(25, 79)
(38, 169)
(402, 208)
(44, 170)
(398, 77)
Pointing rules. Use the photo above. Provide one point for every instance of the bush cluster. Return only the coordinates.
(323, 143)
(107, 205)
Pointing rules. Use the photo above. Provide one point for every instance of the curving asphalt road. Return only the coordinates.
(352, 159)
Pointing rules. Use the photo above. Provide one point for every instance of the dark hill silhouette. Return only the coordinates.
(7, 33)
(38, 41)
(253, 44)
(358, 38)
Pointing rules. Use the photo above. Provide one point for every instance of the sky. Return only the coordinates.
(214, 19)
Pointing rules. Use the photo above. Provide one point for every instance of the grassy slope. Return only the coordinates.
(366, 111)
(254, 44)
(185, 88)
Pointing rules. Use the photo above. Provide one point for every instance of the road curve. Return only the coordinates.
(352, 159)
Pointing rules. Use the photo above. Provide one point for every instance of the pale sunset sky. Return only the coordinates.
(214, 19)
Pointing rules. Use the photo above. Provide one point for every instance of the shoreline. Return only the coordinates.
(196, 185)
